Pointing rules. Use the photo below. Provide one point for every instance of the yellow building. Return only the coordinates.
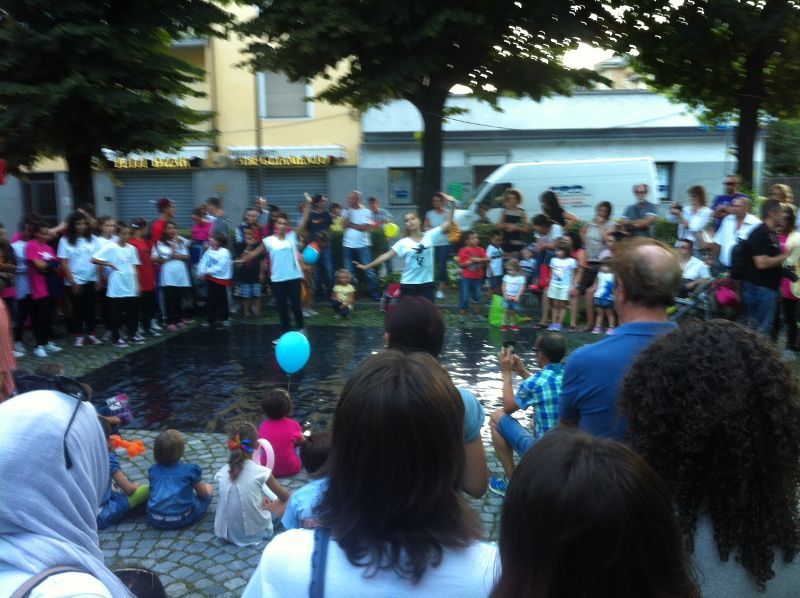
(267, 140)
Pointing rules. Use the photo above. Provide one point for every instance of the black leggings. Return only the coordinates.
(83, 307)
(42, 312)
(217, 301)
(288, 291)
(23, 311)
(123, 310)
(788, 309)
(173, 297)
(147, 309)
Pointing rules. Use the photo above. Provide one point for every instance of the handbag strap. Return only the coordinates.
(319, 560)
(25, 589)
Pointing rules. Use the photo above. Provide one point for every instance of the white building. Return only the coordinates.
(589, 124)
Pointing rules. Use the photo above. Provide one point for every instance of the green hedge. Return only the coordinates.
(665, 231)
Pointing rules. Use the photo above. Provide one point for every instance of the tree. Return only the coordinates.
(727, 58)
(82, 75)
(418, 50)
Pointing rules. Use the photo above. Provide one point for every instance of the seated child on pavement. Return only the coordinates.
(116, 504)
(300, 509)
(282, 432)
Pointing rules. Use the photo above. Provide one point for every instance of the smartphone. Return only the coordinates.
(509, 345)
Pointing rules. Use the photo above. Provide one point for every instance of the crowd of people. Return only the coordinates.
(660, 461)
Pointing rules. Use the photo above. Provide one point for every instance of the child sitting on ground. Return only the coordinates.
(243, 517)
(562, 269)
(178, 497)
(116, 504)
(300, 509)
(513, 287)
(604, 298)
(282, 432)
(344, 294)
(472, 259)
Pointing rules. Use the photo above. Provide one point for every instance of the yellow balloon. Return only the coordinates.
(391, 229)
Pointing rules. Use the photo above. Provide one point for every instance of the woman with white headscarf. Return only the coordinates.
(53, 475)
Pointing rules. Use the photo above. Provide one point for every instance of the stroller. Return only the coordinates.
(713, 299)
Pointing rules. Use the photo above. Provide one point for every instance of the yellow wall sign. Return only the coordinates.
(285, 161)
(157, 163)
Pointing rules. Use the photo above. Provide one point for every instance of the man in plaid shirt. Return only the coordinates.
(540, 391)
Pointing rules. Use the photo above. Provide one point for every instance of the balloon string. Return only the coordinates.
(289, 385)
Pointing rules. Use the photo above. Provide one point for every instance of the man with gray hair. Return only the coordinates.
(736, 226)
(647, 278)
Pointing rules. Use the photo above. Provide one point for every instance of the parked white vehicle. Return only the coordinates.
(579, 184)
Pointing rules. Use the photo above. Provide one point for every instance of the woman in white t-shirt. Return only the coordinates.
(393, 521)
(435, 218)
(285, 273)
(172, 253)
(694, 218)
(417, 249)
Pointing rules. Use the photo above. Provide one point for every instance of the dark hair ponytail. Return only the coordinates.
(242, 441)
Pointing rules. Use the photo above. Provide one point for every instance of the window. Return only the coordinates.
(39, 196)
(280, 98)
(404, 186)
(664, 176)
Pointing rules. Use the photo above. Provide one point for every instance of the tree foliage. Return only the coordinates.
(726, 58)
(783, 148)
(418, 50)
(79, 76)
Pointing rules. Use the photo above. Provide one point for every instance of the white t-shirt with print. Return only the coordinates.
(122, 281)
(283, 264)
(353, 238)
(561, 271)
(512, 285)
(418, 257)
(79, 258)
(173, 272)
(495, 255)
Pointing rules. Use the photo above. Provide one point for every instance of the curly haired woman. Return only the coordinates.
(716, 412)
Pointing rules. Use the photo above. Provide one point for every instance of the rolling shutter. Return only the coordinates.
(284, 187)
(137, 196)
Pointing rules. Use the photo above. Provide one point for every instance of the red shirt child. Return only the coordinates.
(470, 269)
(146, 271)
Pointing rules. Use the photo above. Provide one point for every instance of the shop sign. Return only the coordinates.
(285, 161)
(154, 164)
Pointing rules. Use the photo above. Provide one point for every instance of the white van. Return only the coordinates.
(579, 184)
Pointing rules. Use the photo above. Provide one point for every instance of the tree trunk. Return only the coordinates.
(80, 178)
(431, 107)
(750, 100)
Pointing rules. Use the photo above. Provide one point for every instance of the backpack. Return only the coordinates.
(740, 259)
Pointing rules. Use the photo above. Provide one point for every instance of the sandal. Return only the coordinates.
(573, 329)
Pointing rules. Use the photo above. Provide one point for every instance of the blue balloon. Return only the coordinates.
(310, 255)
(292, 352)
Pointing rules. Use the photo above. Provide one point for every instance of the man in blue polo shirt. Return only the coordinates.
(647, 277)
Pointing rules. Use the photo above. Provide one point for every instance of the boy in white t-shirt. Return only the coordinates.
(513, 287)
(494, 272)
(123, 285)
(562, 270)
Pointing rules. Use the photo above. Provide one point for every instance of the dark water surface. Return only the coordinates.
(202, 379)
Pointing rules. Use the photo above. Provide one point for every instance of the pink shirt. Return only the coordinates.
(38, 251)
(282, 434)
(201, 232)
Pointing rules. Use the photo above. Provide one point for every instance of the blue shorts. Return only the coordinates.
(509, 304)
(603, 303)
(495, 281)
(248, 290)
(520, 439)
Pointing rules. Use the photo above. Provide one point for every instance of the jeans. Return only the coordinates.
(441, 253)
(470, 289)
(788, 308)
(323, 274)
(363, 255)
(759, 306)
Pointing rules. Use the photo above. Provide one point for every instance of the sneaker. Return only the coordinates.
(597, 330)
(307, 313)
(93, 340)
(154, 333)
(304, 332)
(106, 336)
(439, 295)
(181, 325)
(19, 347)
(499, 485)
(138, 338)
(226, 323)
(553, 326)
(514, 328)
(79, 341)
(504, 328)
(788, 355)
(186, 321)
(610, 330)
(337, 317)
(205, 324)
(53, 348)
(121, 344)
(154, 325)
(312, 312)
(39, 351)
(557, 327)
(18, 354)
(172, 328)
(275, 342)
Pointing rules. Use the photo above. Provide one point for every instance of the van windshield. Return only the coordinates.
(490, 195)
